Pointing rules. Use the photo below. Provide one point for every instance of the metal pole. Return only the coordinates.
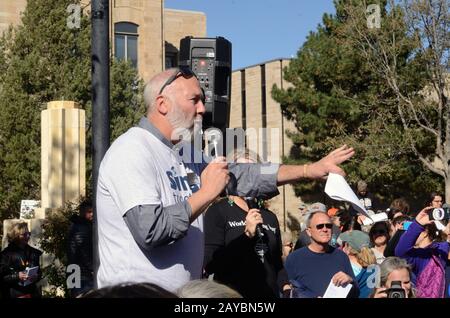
(100, 101)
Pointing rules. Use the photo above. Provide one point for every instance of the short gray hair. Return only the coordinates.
(153, 86)
(391, 264)
(203, 288)
(310, 216)
(243, 153)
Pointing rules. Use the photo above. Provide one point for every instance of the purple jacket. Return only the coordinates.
(419, 257)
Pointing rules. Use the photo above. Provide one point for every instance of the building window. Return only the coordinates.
(171, 55)
(125, 42)
(171, 60)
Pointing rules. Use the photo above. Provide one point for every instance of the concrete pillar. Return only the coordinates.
(63, 148)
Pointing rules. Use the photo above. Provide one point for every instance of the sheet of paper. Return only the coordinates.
(334, 291)
(33, 271)
(376, 218)
(338, 189)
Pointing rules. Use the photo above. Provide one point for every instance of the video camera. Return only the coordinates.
(396, 290)
(440, 214)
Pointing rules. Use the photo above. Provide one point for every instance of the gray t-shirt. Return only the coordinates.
(140, 169)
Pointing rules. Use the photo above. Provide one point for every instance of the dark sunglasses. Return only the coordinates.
(291, 245)
(321, 226)
(380, 232)
(182, 71)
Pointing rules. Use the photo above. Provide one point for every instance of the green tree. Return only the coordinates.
(411, 54)
(43, 60)
(338, 97)
(54, 240)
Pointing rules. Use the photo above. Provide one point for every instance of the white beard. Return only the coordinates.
(184, 128)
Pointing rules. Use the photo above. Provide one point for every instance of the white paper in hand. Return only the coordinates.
(376, 218)
(334, 291)
(338, 189)
(31, 272)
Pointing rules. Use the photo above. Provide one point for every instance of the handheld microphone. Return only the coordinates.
(212, 137)
(252, 204)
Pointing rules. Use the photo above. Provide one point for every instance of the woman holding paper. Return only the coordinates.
(19, 265)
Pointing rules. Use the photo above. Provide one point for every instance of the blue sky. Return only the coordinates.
(259, 30)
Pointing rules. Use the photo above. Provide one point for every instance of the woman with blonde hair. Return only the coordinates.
(356, 246)
(15, 260)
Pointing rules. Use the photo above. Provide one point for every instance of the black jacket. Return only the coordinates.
(14, 259)
(233, 257)
(80, 245)
(392, 244)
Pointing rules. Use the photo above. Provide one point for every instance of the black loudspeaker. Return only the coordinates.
(210, 60)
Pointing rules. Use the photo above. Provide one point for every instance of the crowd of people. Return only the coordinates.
(171, 225)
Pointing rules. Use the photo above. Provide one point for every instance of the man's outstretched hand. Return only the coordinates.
(316, 170)
(329, 163)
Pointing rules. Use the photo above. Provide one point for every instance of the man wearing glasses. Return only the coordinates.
(310, 269)
(150, 200)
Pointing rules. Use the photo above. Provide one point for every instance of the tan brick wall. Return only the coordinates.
(253, 108)
(179, 24)
(10, 11)
(285, 205)
(236, 102)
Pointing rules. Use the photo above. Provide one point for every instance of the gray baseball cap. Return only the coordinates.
(317, 207)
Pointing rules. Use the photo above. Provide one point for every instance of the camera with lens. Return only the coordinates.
(440, 214)
(396, 290)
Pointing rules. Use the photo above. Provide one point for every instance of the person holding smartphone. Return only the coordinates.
(425, 248)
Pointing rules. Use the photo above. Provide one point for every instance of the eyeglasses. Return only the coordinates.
(291, 245)
(183, 71)
(321, 226)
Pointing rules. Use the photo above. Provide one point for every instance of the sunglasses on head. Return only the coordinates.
(182, 71)
(321, 226)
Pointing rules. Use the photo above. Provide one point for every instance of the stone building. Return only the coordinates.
(143, 31)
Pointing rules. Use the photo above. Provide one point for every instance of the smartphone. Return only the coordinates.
(406, 225)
